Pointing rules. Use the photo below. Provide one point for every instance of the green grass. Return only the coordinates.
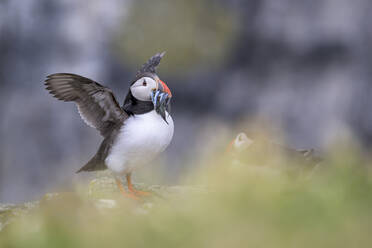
(242, 208)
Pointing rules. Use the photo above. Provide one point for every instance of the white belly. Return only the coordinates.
(140, 139)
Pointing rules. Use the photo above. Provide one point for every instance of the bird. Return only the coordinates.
(248, 151)
(134, 133)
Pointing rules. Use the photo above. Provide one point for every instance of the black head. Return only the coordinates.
(140, 98)
(149, 68)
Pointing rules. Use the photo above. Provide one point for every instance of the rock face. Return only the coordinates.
(102, 192)
(8, 212)
(304, 66)
(105, 186)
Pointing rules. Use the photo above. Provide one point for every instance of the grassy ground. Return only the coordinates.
(241, 207)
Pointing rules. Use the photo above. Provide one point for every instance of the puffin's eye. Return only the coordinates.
(144, 83)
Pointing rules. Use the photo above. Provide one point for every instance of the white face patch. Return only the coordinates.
(143, 87)
(242, 141)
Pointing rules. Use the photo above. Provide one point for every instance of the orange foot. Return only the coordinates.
(139, 192)
(133, 190)
(130, 195)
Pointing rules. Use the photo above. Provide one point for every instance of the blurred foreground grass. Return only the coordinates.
(237, 207)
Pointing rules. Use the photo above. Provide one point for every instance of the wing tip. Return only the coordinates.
(61, 75)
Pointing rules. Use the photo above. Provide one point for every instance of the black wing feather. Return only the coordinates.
(96, 104)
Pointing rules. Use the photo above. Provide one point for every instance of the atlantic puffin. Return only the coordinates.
(134, 133)
(246, 150)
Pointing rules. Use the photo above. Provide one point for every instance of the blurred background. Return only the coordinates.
(301, 67)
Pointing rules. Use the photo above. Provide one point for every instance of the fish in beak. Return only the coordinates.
(161, 100)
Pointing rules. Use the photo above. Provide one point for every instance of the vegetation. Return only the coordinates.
(239, 207)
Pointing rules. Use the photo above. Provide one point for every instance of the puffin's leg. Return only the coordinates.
(124, 193)
(133, 190)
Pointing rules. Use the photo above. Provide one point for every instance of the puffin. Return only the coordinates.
(134, 133)
(247, 151)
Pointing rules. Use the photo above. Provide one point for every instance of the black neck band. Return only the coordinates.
(133, 106)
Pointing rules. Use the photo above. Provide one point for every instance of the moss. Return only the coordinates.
(8, 212)
(236, 208)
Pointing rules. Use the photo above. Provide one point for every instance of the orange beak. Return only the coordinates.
(230, 147)
(165, 88)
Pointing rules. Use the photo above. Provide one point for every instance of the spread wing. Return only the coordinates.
(96, 104)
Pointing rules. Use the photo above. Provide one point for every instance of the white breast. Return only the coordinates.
(140, 139)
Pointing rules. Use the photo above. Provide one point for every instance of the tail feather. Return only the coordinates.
(93, 165)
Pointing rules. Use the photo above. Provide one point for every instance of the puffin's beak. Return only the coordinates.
(161, 101)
